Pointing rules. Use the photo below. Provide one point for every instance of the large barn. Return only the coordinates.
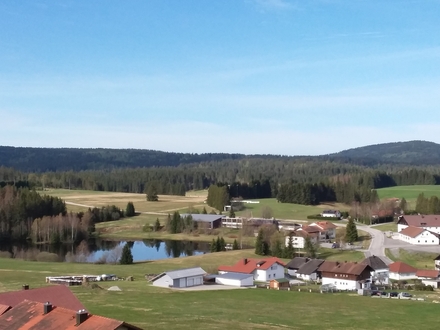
(182, 278)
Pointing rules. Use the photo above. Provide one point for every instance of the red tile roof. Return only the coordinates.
(30, 315)
(429, 273)
(325, 225)
(401, 268)
(412, 232)
(4, 308)
(310, 229)
(431, 220)
(58, 295)
(247, 266)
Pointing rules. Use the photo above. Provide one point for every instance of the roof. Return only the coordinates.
(30, 315)
(234, 276)
(430, 273)
(4, 308)
(327, 266)
(203, 217)
(281, 280)
(412, 231)
(437, 258)
(58, 295)
(375, 262)
(247, 266)
(401, 268)
(431, 220)
(348, 268)
(297, 262)
(181, 273)
(310, 229)
(324, 225)
(310, 267)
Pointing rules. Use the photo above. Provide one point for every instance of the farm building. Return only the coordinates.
(278, 284)
(401, 271)
(235, 279)
(430, 222)
(182, 278)
(419, 236)
(429, 277)
(262, 269)
(210, 221)
(346, 275)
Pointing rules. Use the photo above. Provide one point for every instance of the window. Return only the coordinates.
(269, 275)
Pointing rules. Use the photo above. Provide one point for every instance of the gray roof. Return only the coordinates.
(310, 267)
(203, 217)
(181, 273)
(297, 262)
(375, 263)
(234, 276)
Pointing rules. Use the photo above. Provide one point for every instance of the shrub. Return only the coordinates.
(5, 254)
(48, 257)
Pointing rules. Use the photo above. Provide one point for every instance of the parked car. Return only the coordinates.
(405, 295)
(394, 294)
(335, 245)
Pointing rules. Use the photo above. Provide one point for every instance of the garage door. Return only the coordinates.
(198, 281)
(190, 282)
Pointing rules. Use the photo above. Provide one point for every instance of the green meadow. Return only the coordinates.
(410, 193)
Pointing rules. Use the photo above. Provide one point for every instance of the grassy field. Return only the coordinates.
(420, 260)
(149, 307)
(387, 227)
(410, 193)
(286, 210)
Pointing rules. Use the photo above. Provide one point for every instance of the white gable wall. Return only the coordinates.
(402, 276)
(341, 284)
(274, 272)
(424, 238)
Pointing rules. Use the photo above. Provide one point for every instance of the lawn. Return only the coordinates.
(149, 307)
(287, 210)
(387, 227)
(410, 193)
(420, 260)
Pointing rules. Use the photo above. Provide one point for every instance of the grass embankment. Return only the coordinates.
(149, 307)
(410, 193)
(420, 260)
(387, 227)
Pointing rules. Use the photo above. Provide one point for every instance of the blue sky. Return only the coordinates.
(250, 76)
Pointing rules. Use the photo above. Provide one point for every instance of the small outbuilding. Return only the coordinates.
(280, 284)
(235, 279)
(182, 278)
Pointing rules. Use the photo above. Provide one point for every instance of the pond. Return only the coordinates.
(100, 251)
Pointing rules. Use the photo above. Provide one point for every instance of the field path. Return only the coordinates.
(82, 205)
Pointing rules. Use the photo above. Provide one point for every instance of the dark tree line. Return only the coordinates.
(425, 205)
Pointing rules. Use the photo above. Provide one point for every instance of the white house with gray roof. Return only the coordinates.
(181, 278)
(235, 279)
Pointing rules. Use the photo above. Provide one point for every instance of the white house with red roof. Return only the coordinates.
(263, 270)
(430, 222)
(327, 230)
(298, 238)
(419, 236)
(429, 277)
(401, 271)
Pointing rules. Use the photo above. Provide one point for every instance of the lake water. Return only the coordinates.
(95, 250)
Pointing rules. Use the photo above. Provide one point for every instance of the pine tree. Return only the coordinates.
(231, 213)
(260, 244)
(129, 210)
(152, 193)
(289, 251)
(403, 205)
(157, 225)
(222, 244)
(127, 257)
(310, 248)
(351, 234)
(277, 249)
(218, 246)
(204, 211)
(235, 245)
(213, 246)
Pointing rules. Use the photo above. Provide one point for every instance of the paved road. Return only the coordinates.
(377, 245)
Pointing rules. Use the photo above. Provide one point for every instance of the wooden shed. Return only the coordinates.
(280, 284)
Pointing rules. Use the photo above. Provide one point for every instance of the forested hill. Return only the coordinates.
(407, 153)
(75, 159)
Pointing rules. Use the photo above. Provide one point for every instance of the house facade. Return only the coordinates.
(380, 273)
(235, 279)
(419, 236)
(310, 270)
(429, 222)
(429, 277)
(400, 271)
(298, 238)
(347, 276)
(294, 264)
(182, 278)
(331, 214)
(263, 270)
(327, 230)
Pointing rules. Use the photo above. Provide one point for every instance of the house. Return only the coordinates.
(182, 278)
(327, 230)
(429, 277)
(401, 271)
(419, 236)
(278, 284)
(299, 238)
(236, 222)
(346, 276)
(429, 222)
(437, 263)
(331, 214)
(263, 270)
(309, 271)
(36, 315)
(380, 271)
(59, 295)
(210, 221)
(235, 279)
(295, 264)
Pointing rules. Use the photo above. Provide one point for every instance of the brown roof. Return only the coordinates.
(375, 262)
(4, 308)
(310, 229)
(58, 295)
(401, 268)
(348, 268)
(412, 231)
(431, 220)
(325, 225)
(247, 266)
(430, 273)
(30, 315)
(304, 233)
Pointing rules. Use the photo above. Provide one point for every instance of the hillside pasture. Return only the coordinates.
(410, 193)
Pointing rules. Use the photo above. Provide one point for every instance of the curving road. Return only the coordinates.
(377, 245)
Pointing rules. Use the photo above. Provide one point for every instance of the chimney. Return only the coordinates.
(81, 316)
(245, 261)
(47, 308)
(25, 287)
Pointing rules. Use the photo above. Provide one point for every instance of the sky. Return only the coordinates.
(291, 77)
